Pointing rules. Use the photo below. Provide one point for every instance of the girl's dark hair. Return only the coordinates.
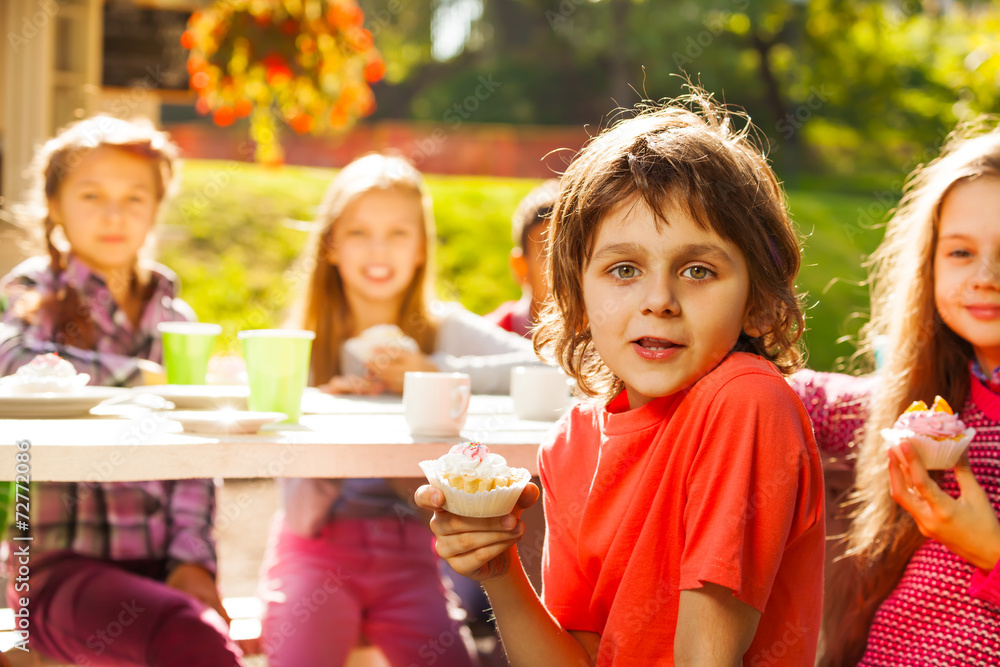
(685, 154)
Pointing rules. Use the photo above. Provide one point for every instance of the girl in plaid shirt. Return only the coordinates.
(123, 573)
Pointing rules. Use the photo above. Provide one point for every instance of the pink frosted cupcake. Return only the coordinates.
(937, 434)
(475, 482)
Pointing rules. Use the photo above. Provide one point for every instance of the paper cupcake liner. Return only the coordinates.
(935, 454)
(497, 502)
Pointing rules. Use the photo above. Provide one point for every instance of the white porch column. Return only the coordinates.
(52, 69)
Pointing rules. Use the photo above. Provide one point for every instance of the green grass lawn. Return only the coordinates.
(234, 231)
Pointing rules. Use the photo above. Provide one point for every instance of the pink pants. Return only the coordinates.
(371, 578)
(92, 612)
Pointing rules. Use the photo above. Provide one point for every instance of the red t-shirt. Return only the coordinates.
(513, 316)
(719, 483)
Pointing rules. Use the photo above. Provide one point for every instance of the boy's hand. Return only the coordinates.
(197, 582)
(352, 384)
(477, 548)
(968, 525)
(390, 364)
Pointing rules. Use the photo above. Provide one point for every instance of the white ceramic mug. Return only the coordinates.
(540, 393)
(436, 403)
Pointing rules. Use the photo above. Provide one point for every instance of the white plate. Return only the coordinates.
(201, 396)
(225, 422)
(43, 406)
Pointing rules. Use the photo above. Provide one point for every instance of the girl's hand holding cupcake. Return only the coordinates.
(967, 525)
(352, 384)
(391, 364)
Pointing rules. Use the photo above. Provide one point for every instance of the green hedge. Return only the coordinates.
(234, 230)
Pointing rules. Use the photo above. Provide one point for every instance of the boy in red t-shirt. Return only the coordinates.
(529, 227)
(684, 509)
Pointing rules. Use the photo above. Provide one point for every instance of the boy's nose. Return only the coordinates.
(659, 298)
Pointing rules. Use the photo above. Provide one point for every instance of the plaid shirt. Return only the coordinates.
(161, 520)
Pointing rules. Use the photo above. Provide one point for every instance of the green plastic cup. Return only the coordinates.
(277, 367)
(187, 347)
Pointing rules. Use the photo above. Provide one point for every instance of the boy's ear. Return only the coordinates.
(518, 265)
(753, 324)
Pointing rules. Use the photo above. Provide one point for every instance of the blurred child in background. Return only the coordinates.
(358, 540)
(529, 228)
(105, 553)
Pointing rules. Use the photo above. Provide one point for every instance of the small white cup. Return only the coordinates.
(540, 393)
(436, 403)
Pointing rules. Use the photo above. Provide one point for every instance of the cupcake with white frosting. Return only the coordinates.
(356, 352)
(476, 482)
(46, 374)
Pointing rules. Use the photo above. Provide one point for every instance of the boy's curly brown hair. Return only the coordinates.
(685, 153)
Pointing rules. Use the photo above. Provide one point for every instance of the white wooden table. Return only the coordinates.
(352, 437)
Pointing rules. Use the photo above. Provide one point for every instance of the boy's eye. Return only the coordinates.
(697, 273)
(959, 252)
(624, 272)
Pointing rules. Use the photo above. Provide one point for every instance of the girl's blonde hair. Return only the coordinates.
(323, 307)
(52, 164)
(685, 155)
(924, 357)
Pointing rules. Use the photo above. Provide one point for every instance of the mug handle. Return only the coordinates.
(459, 401)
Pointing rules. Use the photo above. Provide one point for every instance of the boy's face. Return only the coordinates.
(533, 272)
(665, 305)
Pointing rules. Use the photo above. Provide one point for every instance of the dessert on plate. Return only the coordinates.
(937, 434)
(45, 374)
(476, 482)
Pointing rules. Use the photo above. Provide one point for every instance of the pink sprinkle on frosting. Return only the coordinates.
(474, 450)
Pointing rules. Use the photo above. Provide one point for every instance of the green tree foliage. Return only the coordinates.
(827, 81)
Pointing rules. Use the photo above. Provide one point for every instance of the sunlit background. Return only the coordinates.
(488, 96)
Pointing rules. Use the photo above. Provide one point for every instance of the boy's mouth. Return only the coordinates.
(654, 343)
(655, 348)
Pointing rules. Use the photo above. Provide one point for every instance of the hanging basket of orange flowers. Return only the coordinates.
(306, 64)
